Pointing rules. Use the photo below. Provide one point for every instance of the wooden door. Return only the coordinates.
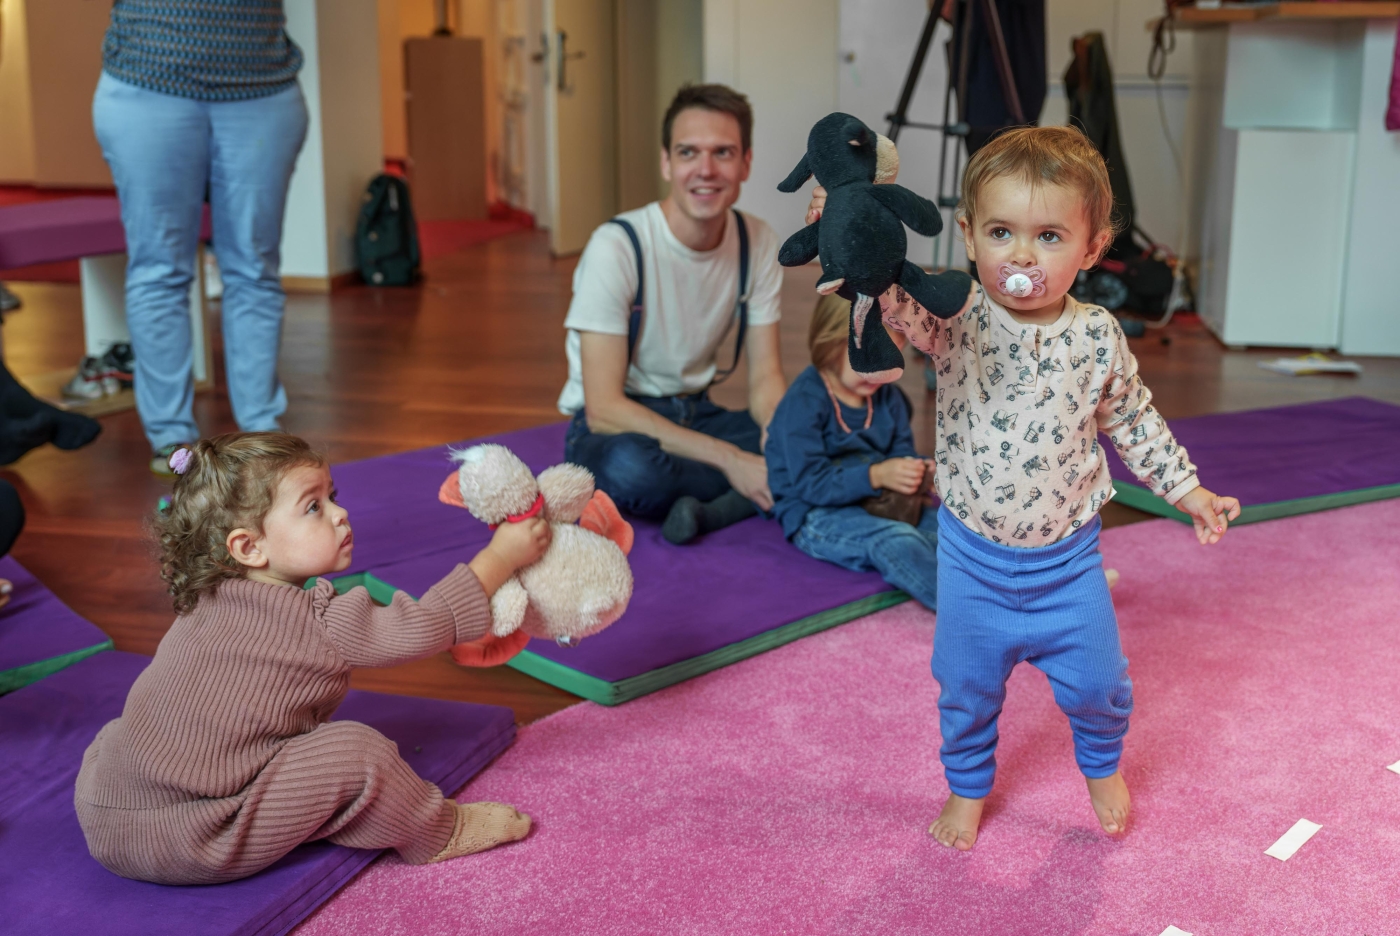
(581, 119)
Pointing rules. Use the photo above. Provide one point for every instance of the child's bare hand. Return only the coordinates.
(520, 544)
(818, 205)
(1210, 513)
(904, 475)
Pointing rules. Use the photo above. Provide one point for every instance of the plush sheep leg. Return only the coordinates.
(872, 352)
(481, 826)
(508, 607)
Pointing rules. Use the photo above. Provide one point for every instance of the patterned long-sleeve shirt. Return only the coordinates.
(1020, 408)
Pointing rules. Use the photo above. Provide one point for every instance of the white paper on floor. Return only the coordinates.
(1293, 839)
(1173, 931)
(1395, 767)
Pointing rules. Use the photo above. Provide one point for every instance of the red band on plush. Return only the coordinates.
(534, 511)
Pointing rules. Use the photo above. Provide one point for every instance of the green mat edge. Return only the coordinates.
(1142, 499)
(625, 690)
(615, 693)
(21, 676)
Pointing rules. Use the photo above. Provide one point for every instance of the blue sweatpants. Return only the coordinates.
(1048, 606)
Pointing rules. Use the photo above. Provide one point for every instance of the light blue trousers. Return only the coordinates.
(1047, 606)
(165, 153)
(905, 556)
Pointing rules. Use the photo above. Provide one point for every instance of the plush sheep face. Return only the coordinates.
(495, 483)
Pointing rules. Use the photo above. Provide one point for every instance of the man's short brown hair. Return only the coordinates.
(712, 97)
(1041, 156)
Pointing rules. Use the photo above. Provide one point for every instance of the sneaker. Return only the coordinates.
(160, 460)
(8, 300)
(91, 382)
(118, 363)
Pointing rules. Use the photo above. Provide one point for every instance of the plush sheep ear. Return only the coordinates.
(451, 491)
(566, 489)
(886, 160)
(797, 177)
(855, 132)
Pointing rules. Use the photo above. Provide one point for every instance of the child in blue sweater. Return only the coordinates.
(837, 439)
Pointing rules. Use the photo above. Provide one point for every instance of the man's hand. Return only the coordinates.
(748, 473)
(902, 475)
(1210, 513)
(814, 210)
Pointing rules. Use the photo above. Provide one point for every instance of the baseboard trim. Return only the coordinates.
(319, 284)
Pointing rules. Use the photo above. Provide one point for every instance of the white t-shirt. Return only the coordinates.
(689, 309)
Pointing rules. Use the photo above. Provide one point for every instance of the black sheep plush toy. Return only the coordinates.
(860, 237)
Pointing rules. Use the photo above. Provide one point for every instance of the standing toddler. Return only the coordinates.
(1027, 379)
(225, 758)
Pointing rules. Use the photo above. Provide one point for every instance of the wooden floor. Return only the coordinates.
(477, 349)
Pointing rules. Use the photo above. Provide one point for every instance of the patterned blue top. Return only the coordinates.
(208, 50)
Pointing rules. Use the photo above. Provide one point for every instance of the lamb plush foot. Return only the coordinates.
(481, 827)
(956, 826)
(1111, 801)
(690, 518)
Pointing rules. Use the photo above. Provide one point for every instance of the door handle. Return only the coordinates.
(564, 57)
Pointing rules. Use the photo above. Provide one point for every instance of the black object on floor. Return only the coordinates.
(27, 422)
(688, 517)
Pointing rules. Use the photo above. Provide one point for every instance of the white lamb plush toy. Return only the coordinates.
(583, 582)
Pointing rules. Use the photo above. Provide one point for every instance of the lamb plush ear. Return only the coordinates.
(797, 177)
(566, 489)
(451, 491)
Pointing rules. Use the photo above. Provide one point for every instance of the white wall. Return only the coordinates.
(344, 140)
(783, 55)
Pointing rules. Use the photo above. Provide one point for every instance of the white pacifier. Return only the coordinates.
(1021, 282)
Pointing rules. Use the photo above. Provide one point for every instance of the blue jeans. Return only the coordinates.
(905, 556)
(164, 153)
(1045, 605)
(643, 479)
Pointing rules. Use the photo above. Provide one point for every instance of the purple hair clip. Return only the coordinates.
(180, 460)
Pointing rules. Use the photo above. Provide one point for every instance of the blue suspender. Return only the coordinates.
(634, 319)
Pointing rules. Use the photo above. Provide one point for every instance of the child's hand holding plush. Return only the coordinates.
(514, 546)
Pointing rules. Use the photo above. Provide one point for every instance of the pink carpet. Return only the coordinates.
(791, 793)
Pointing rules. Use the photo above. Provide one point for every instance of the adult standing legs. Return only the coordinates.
(157, 146)
(253, 149)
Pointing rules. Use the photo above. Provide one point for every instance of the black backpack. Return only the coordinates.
(386, 237)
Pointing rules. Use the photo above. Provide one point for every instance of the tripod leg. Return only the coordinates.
(911, 80)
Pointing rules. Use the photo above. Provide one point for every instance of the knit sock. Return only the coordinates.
(20, 434)
(689, 518)
(69, 430)
(482, 826)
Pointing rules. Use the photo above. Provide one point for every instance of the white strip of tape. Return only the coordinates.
(1293, 839)
(1395, 767)
(1173, 931)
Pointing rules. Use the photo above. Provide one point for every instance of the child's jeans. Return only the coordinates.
(1048, 606)
(906, 556)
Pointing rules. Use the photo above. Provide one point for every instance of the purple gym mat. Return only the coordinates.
(50, 884)
(688, 601)
(1290, 452)
(36, 627)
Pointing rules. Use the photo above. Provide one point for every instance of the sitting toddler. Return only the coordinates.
(837, 440)
(225, 758)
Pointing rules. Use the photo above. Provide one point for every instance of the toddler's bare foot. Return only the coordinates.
(481, 826)
(1110, 798)
(1112, 576)
(956, 825)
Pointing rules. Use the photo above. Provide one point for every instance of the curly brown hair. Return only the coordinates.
(230, 482)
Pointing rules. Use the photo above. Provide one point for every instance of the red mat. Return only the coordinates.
(792, 792)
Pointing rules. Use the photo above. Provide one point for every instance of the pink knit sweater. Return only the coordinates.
(253, 667)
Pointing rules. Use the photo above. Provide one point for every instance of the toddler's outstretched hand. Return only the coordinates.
(903, 475)
(1210, 513)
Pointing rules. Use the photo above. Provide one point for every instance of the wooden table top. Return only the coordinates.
(1290, 9)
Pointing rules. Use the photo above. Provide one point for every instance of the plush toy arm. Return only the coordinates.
(798, 176)
(508, 607)
(914, 210)
(800, 248)
(944, 294)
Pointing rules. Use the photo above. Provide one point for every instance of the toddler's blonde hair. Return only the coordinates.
(1045, 156)
(828, 333)
(230, 482)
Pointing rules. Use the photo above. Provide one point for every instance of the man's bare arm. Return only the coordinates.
(610, 412)
(766, 381)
